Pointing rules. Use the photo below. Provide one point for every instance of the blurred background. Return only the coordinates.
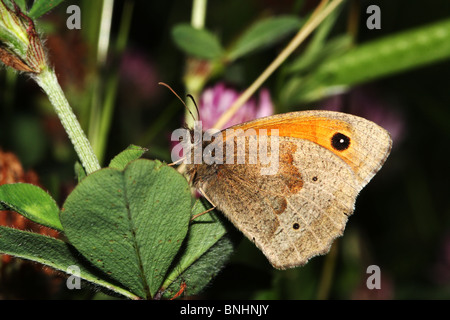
(397, 76)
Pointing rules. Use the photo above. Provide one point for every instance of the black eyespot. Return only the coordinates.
(340, 141)
(296, 226)
(314, 179)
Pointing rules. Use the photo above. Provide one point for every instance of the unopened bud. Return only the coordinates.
(20, 46)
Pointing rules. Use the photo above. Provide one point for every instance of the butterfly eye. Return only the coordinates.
(340, 142)
(296, 226)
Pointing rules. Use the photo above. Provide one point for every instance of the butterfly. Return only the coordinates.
(324, 159)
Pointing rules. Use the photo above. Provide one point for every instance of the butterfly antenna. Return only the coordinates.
(167, 86)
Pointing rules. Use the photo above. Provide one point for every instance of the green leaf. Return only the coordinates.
(31, 202)
(379, 58)
(390, 55)
(318, 49)
(197, 42)
(41, 7)
(21, 3)
(310, 60)
(205, 269)
(79, 171)
(130, 223)
(129, 154)
(53, 253)
(264, 34)
(207, 248)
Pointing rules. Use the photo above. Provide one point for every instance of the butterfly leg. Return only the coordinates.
(210, 209)
(182, 289)
(202, 213)
(176, 162)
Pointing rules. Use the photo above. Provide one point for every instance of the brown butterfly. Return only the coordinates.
(325, 158)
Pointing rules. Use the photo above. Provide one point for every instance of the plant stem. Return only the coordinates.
(198, 13)
(105, 31)
(49, 83)
(321, 12)
(191, 83)
(110, 92)
(353, 18)
(97, 102)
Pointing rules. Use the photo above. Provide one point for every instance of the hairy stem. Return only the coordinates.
(49, 83)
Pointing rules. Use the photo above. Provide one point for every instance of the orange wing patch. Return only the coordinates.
(316, 129)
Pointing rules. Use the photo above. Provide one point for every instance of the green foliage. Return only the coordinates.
(264, 34)
(373, 60)
(130, 223)
(32, 202)
(327, 65)
(41, 7)
(204, 253)
(197, 42)
(21, 3)
(54, 253)
(79, 171)
(122, 159)
(201, 43)
(320, 47)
